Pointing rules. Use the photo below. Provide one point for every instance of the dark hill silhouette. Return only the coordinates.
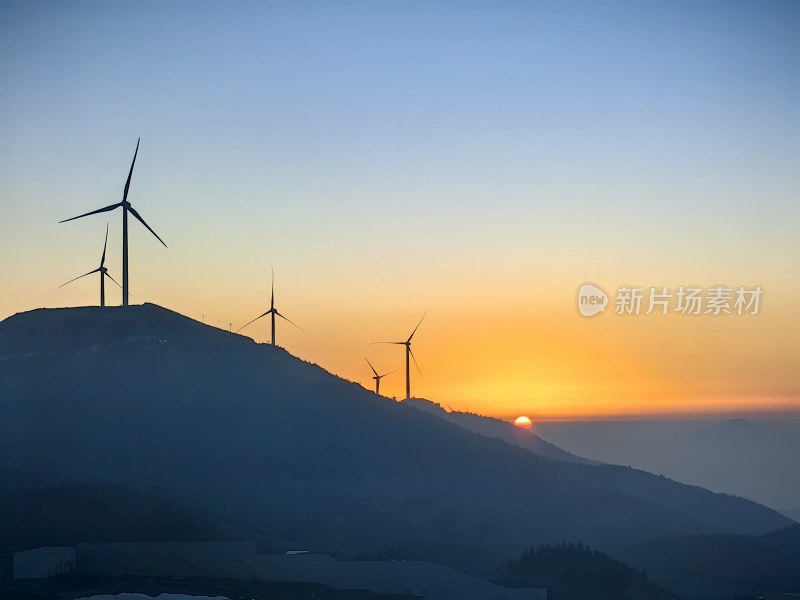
(148, 399)
(501, 430)
(63, 513)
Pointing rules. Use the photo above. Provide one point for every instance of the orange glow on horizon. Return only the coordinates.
(514, 354)
(550, 364)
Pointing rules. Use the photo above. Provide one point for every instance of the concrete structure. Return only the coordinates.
(416, 578)
(238, 560)
(296, 566)
(229, 560)
(424, 579)
(44, 562)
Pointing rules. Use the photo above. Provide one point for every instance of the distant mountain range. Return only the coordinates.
(166, 407)
(752, 458)
(716, 566)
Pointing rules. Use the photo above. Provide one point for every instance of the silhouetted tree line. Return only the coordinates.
(571, 571)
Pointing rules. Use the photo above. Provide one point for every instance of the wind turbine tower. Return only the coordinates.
(103, 274)
(377, 377)
(409, 356)
(273, 312)
(126, 208)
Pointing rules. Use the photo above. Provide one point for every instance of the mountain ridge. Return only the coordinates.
(150, 399)
(751, 458)
(498, 429)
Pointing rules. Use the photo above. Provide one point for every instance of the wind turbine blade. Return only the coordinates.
(371, 367)
(94, 212)
(272, 296)
(79, 276)
(115, 281)
(389, 373)
(415, 360)
(253, 321)
(417, 327)
(103, 259)
(396, 343)
(292, 322)
(128, 182)
(141, 220)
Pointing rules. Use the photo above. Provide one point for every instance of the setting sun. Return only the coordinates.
(523, 422)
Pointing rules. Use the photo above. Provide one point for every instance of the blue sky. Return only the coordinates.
(417, 103)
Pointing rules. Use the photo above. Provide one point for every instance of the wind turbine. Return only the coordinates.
(126, 208)
(272, 311)
(103, 273)
(409, 355)
(377, 377)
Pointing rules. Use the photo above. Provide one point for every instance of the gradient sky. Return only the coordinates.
(480, 160)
